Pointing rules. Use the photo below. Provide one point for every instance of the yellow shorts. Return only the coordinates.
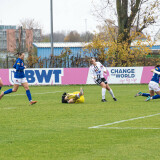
(80, 100)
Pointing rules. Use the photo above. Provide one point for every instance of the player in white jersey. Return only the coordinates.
(97, 70)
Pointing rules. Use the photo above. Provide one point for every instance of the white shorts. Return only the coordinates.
(153, 86)
(19, 81)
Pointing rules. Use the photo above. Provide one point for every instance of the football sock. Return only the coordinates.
(78, 95)
(145, 94)
(0, 87)
(155, 97)
(29, 95)
(8, 91)
(111, 93)
(103, 93)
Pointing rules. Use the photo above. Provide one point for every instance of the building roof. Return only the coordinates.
(60, 44)
(156, 43)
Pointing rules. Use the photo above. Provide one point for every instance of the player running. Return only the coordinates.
(97, 70)
(75, 97)
(153, 85)
(1, 83)
(20, 79)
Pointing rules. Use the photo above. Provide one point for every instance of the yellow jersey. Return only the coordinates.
(74, 97)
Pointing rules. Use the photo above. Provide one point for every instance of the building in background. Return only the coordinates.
(66, 54)
(13, 38)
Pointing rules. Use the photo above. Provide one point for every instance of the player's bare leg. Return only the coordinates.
(1, 83)
(1, 95)
(153, 96)
(14, 89)
(103, 85)
(111, 92)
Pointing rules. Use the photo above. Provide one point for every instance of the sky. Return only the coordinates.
(67, 14)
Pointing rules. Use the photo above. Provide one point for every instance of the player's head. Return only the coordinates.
(63, 97)
(157, 66)
(21, 55)
(93, 60)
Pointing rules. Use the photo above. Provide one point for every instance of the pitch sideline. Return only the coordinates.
(132, 119)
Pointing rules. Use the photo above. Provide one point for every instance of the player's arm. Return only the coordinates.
(92, 73)
(71, 101)
(103, 68)
(14, 66)
(154, 71)
(19, 67)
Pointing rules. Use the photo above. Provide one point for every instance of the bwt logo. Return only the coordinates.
(41, 76)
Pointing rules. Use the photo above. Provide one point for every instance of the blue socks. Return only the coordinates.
(29, 95)
(156, 96)
(0, 87)
(8, 91)
(145, 94)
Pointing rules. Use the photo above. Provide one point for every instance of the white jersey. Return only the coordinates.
(97, 71)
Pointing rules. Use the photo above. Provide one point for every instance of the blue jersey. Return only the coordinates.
(19, 66)
(156, 77)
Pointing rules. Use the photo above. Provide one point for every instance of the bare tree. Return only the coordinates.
(128, 13)
(28, 23)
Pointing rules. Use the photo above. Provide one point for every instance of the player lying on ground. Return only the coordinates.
(20, 79)
(97, 70)
(75, 97)
(1, 83)
(153, 85)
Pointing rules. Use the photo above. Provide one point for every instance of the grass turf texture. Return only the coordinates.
(50, 130)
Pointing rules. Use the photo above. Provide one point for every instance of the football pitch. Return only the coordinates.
(128, 129)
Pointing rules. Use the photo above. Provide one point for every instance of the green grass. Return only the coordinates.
(50, 130)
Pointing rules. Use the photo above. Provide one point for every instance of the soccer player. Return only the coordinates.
(97, 70)
(20, 79)
(1, 83)
(75, 97)
(153, 85)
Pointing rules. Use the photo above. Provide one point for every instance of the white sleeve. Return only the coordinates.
(102, 66)
(156, 72)
(91, 70)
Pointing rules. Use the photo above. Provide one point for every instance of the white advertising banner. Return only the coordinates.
(120, 75)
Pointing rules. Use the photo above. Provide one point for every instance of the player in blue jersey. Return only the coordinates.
(153, 85)
(1, 83)
(20, 79)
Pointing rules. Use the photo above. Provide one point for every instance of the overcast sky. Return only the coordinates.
(67, 14)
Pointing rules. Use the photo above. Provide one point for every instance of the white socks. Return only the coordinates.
(111, 93)
(103, 93)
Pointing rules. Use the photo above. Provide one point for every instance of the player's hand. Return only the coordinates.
(105, 72)
(94, 77)
(152, 70)
(25, 67)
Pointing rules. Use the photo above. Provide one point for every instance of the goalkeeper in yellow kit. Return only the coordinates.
(75, 97)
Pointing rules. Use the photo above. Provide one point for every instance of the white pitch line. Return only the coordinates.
(108, 124)
(9, 108)
(121, 128)
(33, 93)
